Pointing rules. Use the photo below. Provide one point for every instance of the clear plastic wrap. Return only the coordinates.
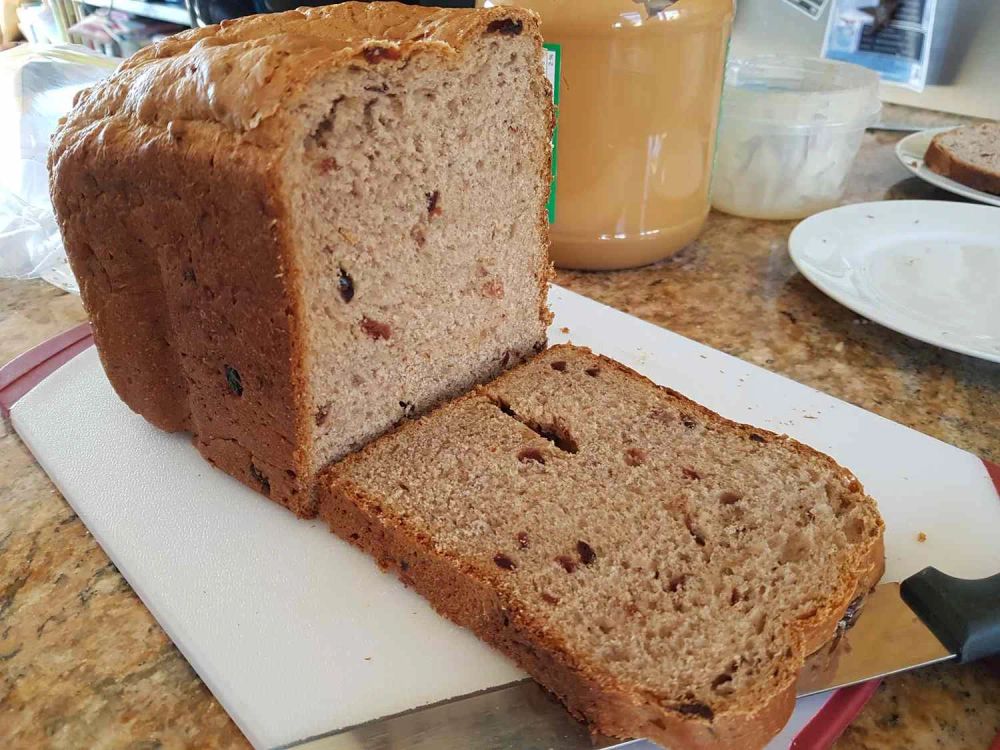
(37, 85)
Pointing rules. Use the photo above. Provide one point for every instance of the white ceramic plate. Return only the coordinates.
(928, 269)
(910, 151)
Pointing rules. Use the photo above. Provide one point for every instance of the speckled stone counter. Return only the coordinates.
(84, 665)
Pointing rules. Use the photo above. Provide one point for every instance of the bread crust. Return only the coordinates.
(256, 65)
(167, 186)
(475, 596)
(943, 161)
(173, 287)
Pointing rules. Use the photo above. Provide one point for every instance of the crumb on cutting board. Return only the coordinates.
(564, 329)
(921, 537)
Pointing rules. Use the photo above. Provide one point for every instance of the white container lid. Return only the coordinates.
(787, 93)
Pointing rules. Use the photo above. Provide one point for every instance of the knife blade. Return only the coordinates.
(888, 637)
(930, 618)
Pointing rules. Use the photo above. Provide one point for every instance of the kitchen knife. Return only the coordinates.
(930, 617)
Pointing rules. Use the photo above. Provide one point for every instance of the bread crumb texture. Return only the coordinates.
(294, 230)
(662, 570)
(969, 154)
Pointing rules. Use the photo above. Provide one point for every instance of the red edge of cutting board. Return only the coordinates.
(27, 370)
(24, 372)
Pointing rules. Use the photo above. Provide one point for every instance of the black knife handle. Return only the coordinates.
(964, 615)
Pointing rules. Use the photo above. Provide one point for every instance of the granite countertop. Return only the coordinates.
(84, 664)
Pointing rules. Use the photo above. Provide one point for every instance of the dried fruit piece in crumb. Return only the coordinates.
(346, 286)
(375, 329)
(234, 381)
(503, 561)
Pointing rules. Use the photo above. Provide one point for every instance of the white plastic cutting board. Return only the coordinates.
(297, 634)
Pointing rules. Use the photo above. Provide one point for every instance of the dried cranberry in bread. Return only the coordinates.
(292, 231)
(664, 571)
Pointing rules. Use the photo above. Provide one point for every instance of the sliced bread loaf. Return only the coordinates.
(969, 155)
(293, 230)
(662, 570)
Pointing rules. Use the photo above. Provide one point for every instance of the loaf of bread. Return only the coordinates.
(292, 231)
(664, 571)
(969, 155)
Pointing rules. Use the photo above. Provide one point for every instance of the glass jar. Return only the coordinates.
(639, 93)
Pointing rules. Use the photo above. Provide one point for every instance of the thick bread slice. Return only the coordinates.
(969, 155)
(664, 571)
(292, 231)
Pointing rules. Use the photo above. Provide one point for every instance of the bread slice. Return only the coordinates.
(969, 155)
(664, 571)
(293, 230)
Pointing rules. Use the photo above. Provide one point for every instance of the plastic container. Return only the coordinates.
(639, 95)
(789, 131)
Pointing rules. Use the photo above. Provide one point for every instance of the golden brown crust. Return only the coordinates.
(176, 273)
(942, 160)
(546, 272)
(474, 596)
(240, 75)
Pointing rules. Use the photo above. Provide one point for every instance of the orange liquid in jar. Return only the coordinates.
(639, 103)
